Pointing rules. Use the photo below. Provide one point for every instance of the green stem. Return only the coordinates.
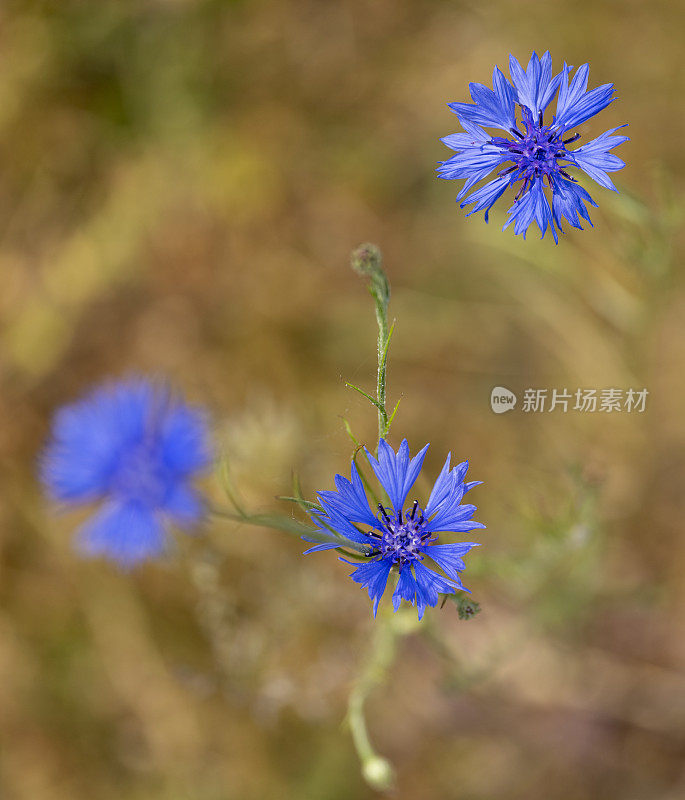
(382, 320)
(366, 261)
(388, 628)
(377, 771)
(214, 608)
(278, 522)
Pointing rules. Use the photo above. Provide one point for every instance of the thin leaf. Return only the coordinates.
(277, 521)
(384, 356)
(355, 442)
(305, 505)
(367, 396)
(363, 477)
(392, 417)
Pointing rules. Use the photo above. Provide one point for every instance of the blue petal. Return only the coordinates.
(335, 519)
(373, 576)
(595, 159)
(406, 587)
(535, 86)
(183, 505)
(350, 499)
(491, 108)
(460, 471)
(322, 546)
(545, 95)
(575, 104)
(447, 486)
(428, 586)
(184, 440)
(568, 200)
(448, 557)
(396, 473)
(441, 487)
(472, 137)
(127, 533)
(506, 95)
(485, 197)
(472, 162)
(129, 437)
(452, 517)
(532, 207)
(87, 440)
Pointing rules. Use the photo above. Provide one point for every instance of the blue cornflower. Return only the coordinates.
(532, 149)
(398, 536)
(133, 447)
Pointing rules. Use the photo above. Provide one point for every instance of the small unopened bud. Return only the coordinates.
(366, 260)
(467, 608)
(378, 773)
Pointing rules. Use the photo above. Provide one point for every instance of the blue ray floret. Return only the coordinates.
(534, 157)
(134, 448)
(401, 536)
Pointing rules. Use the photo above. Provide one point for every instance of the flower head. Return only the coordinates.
(134, 448)
(401, 536)
(534, 150)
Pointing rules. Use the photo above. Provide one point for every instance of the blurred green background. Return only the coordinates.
(181, 185)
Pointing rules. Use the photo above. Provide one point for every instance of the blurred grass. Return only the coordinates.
(181, 185)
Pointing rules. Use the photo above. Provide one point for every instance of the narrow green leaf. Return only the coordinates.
(384, 356)
(305, 505)
(355, 442)
(367, 396)
(392, 417)
(277, 521)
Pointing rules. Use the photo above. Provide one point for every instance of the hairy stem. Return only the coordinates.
(366, 261)
(382, 320)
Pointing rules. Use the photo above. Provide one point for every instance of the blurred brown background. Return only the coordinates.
(181, 184)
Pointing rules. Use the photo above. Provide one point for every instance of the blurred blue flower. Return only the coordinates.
(400, 537)
(134, 447)
(532, 150)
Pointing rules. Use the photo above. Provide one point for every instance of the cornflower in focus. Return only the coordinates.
(535, 149)
(401, 537)
(133, 447)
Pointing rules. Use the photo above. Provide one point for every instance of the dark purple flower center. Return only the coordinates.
(536, 153)
(402, 536)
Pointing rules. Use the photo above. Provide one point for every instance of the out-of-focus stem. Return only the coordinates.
(377, 771)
